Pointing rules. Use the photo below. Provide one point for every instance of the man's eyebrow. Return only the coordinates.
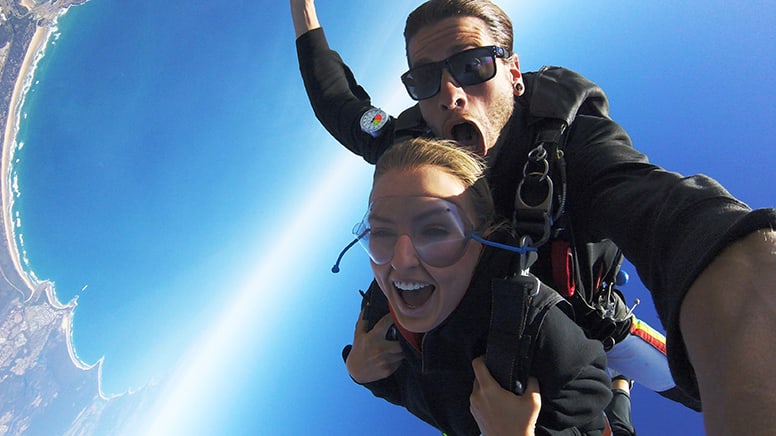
(463, 46)
(454, 49)
(423, 61)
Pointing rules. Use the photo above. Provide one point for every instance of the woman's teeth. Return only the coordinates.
(414, 294)
(409, 286)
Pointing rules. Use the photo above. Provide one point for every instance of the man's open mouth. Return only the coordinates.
(468, 135)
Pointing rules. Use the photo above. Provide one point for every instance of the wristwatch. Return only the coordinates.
(373, 120)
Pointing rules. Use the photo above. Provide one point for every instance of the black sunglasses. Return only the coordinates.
(469, 67)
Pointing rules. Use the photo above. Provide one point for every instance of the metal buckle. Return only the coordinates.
(535, 219)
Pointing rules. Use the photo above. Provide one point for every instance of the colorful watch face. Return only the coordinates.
(373, 120)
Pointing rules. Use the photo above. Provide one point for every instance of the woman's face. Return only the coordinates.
(421, 295)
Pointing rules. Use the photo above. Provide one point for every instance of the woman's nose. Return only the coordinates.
(404, 254)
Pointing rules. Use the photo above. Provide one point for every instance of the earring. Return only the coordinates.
(519, 87)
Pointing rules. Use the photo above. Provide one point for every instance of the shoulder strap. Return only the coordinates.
(518, 307)
(554, 96)
(559, 93)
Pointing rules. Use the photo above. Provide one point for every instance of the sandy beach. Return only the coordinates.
(16, 277)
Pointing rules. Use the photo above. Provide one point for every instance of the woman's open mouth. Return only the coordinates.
(413, 294)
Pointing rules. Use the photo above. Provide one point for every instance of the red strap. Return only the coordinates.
(563, 267)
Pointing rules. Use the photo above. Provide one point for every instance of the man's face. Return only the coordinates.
(476, 114)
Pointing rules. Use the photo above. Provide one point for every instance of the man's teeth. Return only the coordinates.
(409, 286)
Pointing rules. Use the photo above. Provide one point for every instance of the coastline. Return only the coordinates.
(27, 28)
(31, 44)
(47, 387)
(22, 84)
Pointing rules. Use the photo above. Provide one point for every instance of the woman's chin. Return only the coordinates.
(417, 319)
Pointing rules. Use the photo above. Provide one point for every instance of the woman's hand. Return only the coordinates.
(498, 411)
(373, 357)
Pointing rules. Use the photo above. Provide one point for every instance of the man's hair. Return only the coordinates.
(462, 164)
(434, 11)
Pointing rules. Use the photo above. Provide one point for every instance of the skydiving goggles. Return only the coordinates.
(438, 231)
(469, 67)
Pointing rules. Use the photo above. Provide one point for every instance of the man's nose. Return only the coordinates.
(404, 254)
(451, 94)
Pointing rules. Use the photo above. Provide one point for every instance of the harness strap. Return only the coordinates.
(518, 307)
(538, 201)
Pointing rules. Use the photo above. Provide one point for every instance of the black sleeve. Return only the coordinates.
(336, 98)
(387, 389)
(669, 226)
(573, 382)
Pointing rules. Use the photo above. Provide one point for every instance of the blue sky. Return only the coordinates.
(172, 165)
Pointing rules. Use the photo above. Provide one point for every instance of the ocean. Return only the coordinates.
(148, 167)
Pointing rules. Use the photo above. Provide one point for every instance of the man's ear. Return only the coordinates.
(513, 69)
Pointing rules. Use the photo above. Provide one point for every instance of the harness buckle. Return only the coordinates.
(534, 197)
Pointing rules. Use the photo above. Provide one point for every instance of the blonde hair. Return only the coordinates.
(462, 164)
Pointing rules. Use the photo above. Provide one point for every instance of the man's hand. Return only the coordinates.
(498, 411)
(304, 16)
(373, 357)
